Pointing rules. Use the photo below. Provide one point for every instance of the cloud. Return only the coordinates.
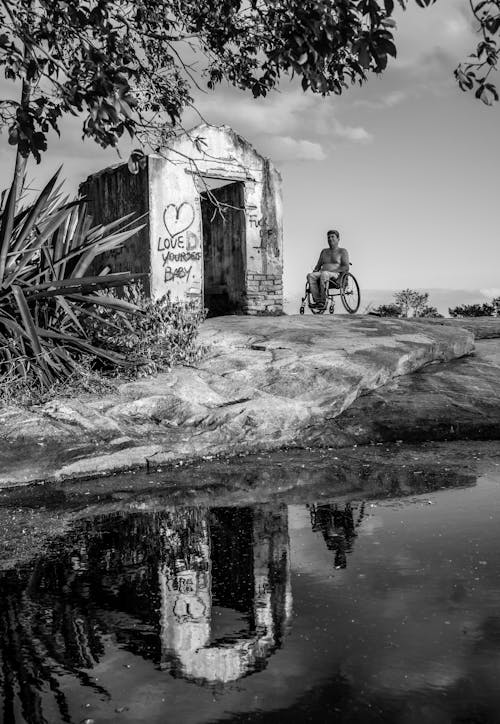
(394, 99)
(457, 26)
(279, 113)
(288, 124)
(286, 148)
(446, 25)
(491, 292)
(356, 134)
(389, 100)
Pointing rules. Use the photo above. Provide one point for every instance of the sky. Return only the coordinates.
(405, 167)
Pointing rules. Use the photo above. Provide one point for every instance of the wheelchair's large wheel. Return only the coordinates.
(349, 293)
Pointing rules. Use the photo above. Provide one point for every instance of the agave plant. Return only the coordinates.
(46, 290)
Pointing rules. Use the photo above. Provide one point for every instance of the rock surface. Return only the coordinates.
(456, 401)
(265, 383)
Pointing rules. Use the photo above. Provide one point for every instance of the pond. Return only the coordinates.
(298, 606)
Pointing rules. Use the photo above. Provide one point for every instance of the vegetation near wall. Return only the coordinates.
(59, 323)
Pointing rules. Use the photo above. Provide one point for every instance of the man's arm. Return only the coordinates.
(344, 260)
(319, 264)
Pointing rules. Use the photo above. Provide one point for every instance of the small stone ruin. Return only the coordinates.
(213, 222)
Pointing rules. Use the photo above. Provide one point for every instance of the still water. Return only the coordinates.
(329, 610)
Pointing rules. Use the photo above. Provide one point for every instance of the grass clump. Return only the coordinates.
(151, 339)
(159, 334)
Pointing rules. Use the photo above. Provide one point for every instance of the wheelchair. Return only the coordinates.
(344, 286)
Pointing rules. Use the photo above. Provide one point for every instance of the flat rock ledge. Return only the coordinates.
(264, 383)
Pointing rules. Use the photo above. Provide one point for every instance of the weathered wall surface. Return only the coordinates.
(223, 155)
(265, 274)
(112, 193)
(175, 231)
(171, 248)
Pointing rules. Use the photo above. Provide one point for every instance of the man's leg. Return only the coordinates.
(314, 282)
(325, 277)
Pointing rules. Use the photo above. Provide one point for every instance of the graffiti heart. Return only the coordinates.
(178, 219)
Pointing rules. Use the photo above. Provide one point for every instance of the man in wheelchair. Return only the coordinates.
(331, 263)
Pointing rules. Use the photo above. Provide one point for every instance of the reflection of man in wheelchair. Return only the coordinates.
(330, 277)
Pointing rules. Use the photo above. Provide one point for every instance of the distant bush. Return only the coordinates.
(428, 311)
(387, 310)
(474, 310)
(407, 303)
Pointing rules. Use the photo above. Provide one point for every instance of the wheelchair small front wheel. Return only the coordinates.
(349, 293)
(331, 309)
(301, 310)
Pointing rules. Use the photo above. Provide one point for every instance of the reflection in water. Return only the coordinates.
(124, 612)
(231, 561)
(204, 593)
(338, 527)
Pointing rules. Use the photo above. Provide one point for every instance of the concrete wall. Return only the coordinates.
(172, 245)
(112, 193)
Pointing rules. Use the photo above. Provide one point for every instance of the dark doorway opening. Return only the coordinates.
(224, 245)
(233, 578)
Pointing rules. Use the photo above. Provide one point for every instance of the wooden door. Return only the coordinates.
(224, 248)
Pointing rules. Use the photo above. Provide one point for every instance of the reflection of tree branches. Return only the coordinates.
(102, 577)
(45, 633)
(53, 617)
(28, 657)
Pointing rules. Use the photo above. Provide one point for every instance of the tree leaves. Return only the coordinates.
(125, 68)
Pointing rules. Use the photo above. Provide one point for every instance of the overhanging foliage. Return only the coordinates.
(126, 66)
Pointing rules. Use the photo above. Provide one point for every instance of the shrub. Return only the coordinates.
(472, 310)
(46, 249)
(387, 310)
(429, 311)
(157, 335)
(407, 303)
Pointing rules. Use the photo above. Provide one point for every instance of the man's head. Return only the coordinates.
(333, 238)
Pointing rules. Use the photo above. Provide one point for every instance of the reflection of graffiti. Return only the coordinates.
(181, 245)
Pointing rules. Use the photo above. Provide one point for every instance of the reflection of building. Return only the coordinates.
(338, 527)
(214, 582)
(225, 592)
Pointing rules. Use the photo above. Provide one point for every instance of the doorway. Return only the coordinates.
(224, 246)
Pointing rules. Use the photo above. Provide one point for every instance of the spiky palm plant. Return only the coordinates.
(46, 249)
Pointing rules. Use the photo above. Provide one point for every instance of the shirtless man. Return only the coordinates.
(331, 263)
